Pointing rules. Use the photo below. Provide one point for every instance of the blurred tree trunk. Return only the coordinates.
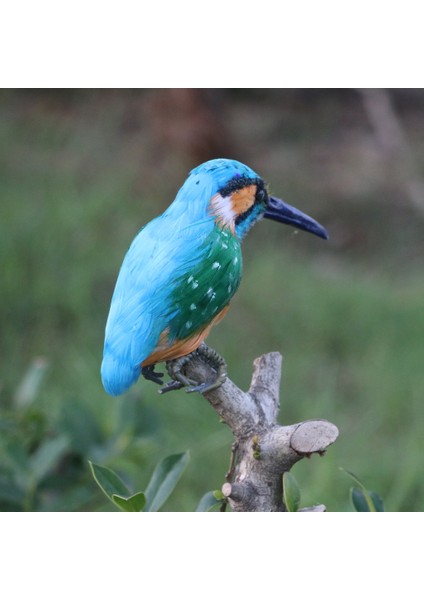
(394, 146)
(189, 122)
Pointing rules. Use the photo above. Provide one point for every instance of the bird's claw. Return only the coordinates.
(170, 386)
(150, 374)
(203, 387)
(179, 379)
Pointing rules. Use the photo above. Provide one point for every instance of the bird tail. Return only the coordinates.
(118, 377)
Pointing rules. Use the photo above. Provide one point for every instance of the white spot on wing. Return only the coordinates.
(193, 306)
(216, 265)
(188, 324)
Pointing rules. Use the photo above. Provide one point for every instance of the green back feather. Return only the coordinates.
(207, 287)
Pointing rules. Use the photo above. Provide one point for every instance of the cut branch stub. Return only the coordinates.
(313, 436)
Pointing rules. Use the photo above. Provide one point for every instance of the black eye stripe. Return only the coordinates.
(244, 215)
(238, 183)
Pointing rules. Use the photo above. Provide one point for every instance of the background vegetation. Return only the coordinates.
(82, 171)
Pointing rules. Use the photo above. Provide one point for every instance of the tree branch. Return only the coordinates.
(263, 449)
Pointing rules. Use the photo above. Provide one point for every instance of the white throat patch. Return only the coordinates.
(222, 209)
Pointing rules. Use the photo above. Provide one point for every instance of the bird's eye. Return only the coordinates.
(261, 196)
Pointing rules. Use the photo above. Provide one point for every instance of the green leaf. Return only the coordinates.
(365, 501)
(359, 500)
(291, 492)
(109, 482)
(378, 501)
(134, 503)
(210, 500)
(362, 499)
(164, 480)
(46, 457)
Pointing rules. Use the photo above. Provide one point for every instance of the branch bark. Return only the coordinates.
(262, 449)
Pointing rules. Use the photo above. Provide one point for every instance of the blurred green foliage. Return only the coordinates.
(161, 485)
(80, 173)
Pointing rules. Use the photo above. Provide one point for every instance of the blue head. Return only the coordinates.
(236, 197)
(224, 170)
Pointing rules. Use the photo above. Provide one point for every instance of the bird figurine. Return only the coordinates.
(180, 273)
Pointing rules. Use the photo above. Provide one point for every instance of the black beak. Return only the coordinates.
(277, 210)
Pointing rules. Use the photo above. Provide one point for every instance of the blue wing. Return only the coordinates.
(161, 253)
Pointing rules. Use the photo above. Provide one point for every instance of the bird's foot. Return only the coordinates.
(179, 379)
(217, 363)
(150, 374)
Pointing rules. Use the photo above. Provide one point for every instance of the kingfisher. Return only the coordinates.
(181, 272)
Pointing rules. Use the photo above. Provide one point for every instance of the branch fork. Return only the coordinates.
(263, 449)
